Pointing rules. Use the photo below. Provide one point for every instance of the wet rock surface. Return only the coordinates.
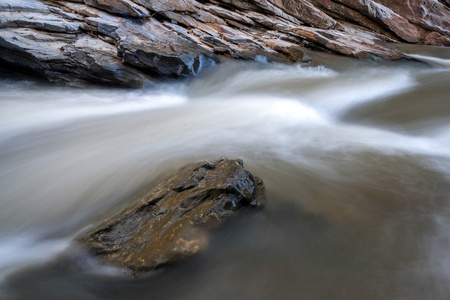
(131, 42)
(171, 222)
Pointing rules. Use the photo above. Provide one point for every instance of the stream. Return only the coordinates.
(355, 156)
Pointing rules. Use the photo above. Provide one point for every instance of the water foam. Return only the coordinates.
(347, 90)
(259, 115)
(22, 110)
(25, 250)
(440, 62)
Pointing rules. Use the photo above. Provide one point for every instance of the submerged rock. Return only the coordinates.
(170, 223)
(129, 42)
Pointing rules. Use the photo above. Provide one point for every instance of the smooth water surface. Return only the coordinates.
(355, 157)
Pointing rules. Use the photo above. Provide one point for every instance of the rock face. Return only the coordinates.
(169, 223)
(130, 42)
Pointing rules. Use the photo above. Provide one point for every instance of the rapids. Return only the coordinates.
(355, 156)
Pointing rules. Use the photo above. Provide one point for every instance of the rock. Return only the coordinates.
(23, 6)
(387, 18)
(169, 224)
(306, 12)
(270, 8)
(155, 47)
(345, 13)
(169, 5)
(429, 15)
(226, 14)
(121, 7)
(39, 21)
(151, 39)
(66, 58)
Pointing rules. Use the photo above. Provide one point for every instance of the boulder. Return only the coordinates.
(171, 222)
(154, 47)
(120, 7)
(153, 39)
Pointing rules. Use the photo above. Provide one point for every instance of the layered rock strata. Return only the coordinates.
(170, 223)
(130, 42)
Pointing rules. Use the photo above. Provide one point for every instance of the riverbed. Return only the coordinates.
(355, 156)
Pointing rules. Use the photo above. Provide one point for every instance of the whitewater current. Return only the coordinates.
(355, 156)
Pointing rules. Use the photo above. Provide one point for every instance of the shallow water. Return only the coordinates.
(355, 157)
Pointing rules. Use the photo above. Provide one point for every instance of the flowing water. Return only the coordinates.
(355, 157)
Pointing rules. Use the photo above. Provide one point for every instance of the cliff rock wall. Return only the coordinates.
(128, 42)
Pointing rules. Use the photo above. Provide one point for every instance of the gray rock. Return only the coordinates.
(66, 58)
(224, 13)
(154, 47)
(37, 20)
(168, 38)
(307, 13)
(23, 6)
(168, 5)
(66, 15)
(121, 7)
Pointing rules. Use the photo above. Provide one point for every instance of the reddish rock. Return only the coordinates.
(436, 39)
(430, 15)
(387, 18)
(306, 12)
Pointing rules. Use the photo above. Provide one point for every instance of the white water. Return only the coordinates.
(357, 194)
(442, 62)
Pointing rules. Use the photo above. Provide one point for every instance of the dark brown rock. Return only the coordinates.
(169, 223)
